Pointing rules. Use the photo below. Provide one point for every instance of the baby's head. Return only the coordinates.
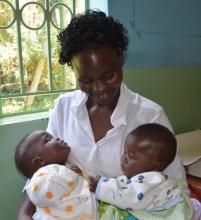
(38, 149)
(149, 147)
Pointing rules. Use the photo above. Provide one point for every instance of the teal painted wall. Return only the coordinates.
(161, 33)
(97, 4)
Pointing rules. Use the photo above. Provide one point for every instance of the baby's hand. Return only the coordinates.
(93, 182)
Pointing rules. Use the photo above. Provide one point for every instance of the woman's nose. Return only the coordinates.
(98, 86)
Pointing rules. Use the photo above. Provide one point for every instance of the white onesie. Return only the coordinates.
(59, 193)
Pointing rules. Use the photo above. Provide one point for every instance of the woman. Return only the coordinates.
(95, 120)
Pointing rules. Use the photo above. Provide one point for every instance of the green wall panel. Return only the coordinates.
(178, 90)
(11, 181)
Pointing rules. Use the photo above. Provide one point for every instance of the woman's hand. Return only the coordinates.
(93, 182)
(27, 209)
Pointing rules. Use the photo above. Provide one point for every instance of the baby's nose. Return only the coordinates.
(125, 159)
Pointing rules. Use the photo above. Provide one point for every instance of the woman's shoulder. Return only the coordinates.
(137, 102)
(69, 95)
(143, 102)
(145, 111)
(69, 98)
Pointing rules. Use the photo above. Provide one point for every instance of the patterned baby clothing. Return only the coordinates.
(59, 193)
(149, 195)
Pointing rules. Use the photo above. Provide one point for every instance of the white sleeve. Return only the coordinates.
(51, 183)
(129, 194)
(163, 120)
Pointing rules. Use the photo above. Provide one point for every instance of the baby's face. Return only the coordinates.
(135, 160)
(52, 150)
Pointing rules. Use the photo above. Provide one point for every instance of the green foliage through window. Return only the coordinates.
(30, 75)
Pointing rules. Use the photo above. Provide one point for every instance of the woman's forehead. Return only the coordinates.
(95, 56)
(94, 61)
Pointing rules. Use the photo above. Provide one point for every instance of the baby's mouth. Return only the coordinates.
(122, 169)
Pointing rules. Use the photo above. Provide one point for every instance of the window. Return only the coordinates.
(30, 75)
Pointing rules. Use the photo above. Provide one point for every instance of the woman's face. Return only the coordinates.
(99, 74)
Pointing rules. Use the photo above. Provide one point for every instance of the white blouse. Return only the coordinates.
(69, 121)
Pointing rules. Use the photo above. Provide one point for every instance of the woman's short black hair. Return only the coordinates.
(89, 31)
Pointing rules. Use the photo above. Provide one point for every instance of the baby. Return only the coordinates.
(144, 191)
(57, 191)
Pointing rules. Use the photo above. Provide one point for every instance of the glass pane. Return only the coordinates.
(28, 103)
(6, 14)
(80, 6)
(9, 64)
(34, 54)
(33, 15)
(69, 3)
(61, 16)
(63, 76)
(34, 51)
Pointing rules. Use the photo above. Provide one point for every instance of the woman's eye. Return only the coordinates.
(109, 75)
(85, 81)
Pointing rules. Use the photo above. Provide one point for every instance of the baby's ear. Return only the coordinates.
(156, 166)
(38, 162)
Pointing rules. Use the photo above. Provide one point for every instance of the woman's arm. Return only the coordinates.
(27, 209)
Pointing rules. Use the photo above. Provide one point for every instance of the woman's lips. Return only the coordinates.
(102, 96)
